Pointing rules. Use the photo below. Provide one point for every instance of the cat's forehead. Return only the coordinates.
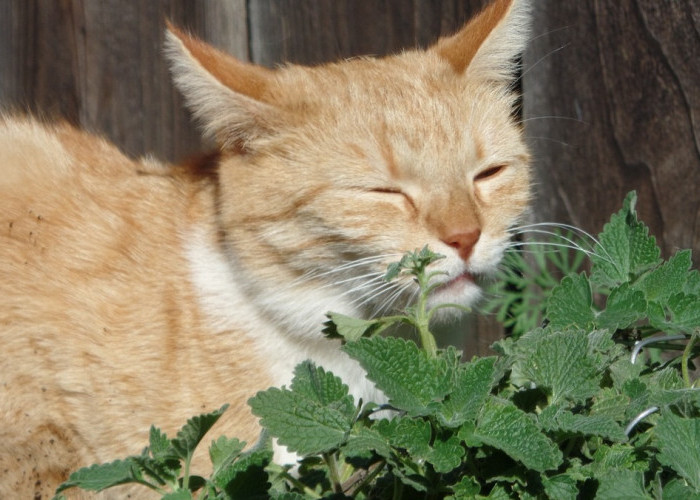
(406, 112)
(382, 82)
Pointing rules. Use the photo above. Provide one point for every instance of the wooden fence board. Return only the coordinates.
(612, 103)
(315, 31)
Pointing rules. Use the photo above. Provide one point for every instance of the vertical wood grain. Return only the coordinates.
(100, 65)
(612, 104)
(316, 31)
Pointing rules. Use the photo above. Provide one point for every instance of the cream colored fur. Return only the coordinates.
(134, 293)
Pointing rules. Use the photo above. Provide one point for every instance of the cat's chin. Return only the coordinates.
(461, 290)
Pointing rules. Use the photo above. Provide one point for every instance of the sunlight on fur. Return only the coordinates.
(136, 293)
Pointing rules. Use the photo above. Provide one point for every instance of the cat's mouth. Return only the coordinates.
(456, 283)
(461, 289)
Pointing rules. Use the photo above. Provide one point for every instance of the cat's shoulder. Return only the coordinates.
(32, 149)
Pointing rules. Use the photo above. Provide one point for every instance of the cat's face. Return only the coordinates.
(380, 160)
(342, 168)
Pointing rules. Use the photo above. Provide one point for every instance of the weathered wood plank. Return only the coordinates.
(315, 31)
(612, 103)
(100, 65)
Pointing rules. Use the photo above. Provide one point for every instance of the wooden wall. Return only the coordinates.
(612, 103)
(611, 87)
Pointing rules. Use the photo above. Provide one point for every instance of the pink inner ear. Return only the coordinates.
(460, 49)
(244, 78)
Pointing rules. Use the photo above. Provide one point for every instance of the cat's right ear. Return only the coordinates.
(487, 46)
(225, 95)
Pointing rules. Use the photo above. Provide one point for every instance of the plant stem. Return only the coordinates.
(186, 473)
(301, 486)
(422, 316)
(161, 491)
(685, 359)
(357, 482)
(398, 488)
(329, 458)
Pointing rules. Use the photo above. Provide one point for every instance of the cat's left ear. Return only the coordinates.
(489, 43)
(226, 95)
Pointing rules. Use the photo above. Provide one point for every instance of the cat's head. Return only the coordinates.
(329, 173)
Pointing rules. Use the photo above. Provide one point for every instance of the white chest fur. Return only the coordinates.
(229, 308)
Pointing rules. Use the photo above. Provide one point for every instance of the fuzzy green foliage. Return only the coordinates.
(562, 412)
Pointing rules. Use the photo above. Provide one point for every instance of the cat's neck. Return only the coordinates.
(285, 324)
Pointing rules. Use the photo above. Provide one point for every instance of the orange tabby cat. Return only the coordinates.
(133, 292)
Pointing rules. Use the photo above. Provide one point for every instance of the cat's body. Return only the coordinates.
(134, 293)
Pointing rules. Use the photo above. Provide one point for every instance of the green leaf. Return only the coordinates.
(316, 384)
(680, 314)
(561, 487)
(609, 403)
(178, 495)
(159, 444)
(466, 489)
(558, 419)
(615, 457)
(625, 249)
(102, 476)
(676, 489)
(246, 477)
(570, 303)
(504, 426)
(446, 455)
(223, 452)
(667, 279)
(412, 263)
(560, 362)
(684, 399)
(304, 426)
(366, 440)
(621, 485)
(623, 371)
(685, 311)
(411, 434)
(498, 493)
(351, 329)
(406, 374)
(193, 431)
(624, 306)
(678, 440)
(162, 470)
(692, 283)
(393, 270)
(472, 386)
(314, 417)
(287, 496)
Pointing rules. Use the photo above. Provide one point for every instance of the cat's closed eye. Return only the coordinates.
(490, 172)
(394, 191)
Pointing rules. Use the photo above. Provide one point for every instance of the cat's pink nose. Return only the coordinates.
(463, 242)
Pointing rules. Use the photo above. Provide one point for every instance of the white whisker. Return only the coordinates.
(375, 293)
(562, 226)
(388, 304)
(551, 117)
(374, 277)
(535, 228)
(362, 286)
(548, 139)
(574, 244)
(316, 274)
(547, 55)
(521, 244)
